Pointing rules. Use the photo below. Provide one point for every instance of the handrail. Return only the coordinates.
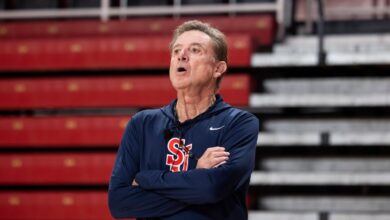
(321, 33)
(140, 11)
(105, 11)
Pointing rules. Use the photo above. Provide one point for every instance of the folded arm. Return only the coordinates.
(200, 186)
(127, 201)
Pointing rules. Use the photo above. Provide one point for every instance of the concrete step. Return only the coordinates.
(317, 139)
(258, 100)
(331, 204)
(263, 215)
(280, 215)
(336, 85)
(325, 164)
(327, 125)
(320, 178)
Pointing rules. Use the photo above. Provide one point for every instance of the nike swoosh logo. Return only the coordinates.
(214, 129)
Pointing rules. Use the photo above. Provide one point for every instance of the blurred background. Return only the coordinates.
(315, 72)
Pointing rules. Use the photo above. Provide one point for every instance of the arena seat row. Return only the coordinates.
(331, 164)
(324, 92)
(56, 168)
(330, 204)
(361, 131)
(326, 138)
(88, 131)
(341, 10)
(324, 178)
(57, 165)
(351, 171)
(260, 27)
(318, 100)
(102, 53)
(309, 215)
(88, 92)
(62, 131)
(60, 205)
(341, 49)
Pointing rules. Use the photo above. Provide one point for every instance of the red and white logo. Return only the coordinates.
(178, 159)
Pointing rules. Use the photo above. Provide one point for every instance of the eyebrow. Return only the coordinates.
(192, 44)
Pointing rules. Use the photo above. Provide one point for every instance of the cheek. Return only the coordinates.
(171, 66)
(172, 61)
(207, 69)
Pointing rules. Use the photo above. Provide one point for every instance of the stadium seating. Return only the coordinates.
(55, 205)
(62, 131)
(56, 169)
(304, 178)
(101, 53)
(338, 10)
(68, 88)
(331, 204)
(341, 49)
(290, 215)
(69, 152)
(88, 92)
(260, 27)
(283, 215)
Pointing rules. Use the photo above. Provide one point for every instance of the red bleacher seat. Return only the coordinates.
(134, 91)
(260, 27)
(83, 53)
(62, 205)
(88, 131)
(57, 169)
(64, 131)
(67, 92)
(96, 53)
(139, 44)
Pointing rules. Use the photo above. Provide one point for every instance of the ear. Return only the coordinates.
(220, 69)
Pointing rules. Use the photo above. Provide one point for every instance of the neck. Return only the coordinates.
(189, 107)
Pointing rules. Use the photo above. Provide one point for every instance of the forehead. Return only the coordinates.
(193, 37)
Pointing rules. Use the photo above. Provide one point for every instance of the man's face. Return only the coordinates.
(193, 64)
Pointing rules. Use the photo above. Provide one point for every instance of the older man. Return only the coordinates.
(193, 158)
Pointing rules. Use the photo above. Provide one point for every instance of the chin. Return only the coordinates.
(180, 84)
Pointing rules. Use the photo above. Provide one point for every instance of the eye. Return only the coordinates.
(195, 49)
(176, 51)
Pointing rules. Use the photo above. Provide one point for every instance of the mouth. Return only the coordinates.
(181, 69)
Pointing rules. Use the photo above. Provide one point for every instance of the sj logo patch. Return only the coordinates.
(177, 160)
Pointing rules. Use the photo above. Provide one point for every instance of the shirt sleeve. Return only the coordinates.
(126, 201)
(200, 186)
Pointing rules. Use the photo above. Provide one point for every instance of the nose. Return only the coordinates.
(183, 56)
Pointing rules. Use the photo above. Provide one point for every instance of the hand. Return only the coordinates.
(134, 183)
(213, 157)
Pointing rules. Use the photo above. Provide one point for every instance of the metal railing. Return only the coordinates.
(281, 8)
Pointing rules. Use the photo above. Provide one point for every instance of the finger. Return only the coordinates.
(217, 148)
(216, 152)
(223, 162)
(211, 151)
(220, 154)
(218, 160)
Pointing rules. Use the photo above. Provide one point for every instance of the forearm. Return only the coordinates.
(197, 186)
(201, 186)
(129, 202)
(126, 201)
